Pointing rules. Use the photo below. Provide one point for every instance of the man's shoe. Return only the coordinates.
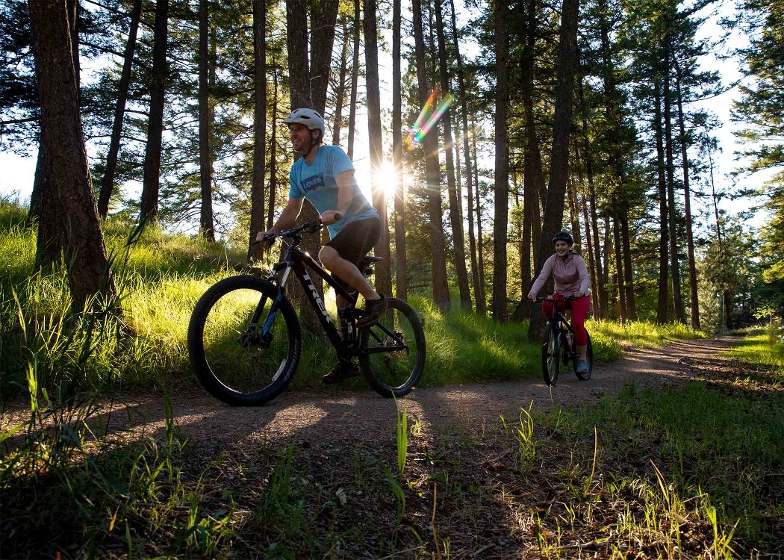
(373, 308)
(582, 366)
(341, 371)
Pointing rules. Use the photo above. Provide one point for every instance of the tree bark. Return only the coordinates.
(500, 312)
(661, 313)
(107, 181)
(259, 128)
(70, 192)
(322, 35)
(397, 157)
(352, 110)
(619, 272)
(694, 300)
(432, 174)
(207, 227)
(677, 299)
(340, 88)
(481, 297)
(628, 283)
(152, 158)
(273, 152)
(455, 202)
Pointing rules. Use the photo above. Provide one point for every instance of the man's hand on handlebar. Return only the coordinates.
(329, 217)
(532, 296)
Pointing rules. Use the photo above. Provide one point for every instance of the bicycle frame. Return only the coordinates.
(295, 260)
(557, 318)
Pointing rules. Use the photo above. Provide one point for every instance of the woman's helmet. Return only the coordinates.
(306, 117)
(563, 236)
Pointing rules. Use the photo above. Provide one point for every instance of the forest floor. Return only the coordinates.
(466, 490)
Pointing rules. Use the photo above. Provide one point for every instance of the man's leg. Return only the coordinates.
(346, 271)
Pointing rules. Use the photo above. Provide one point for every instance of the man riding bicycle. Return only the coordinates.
(325, 176)
(571, 279)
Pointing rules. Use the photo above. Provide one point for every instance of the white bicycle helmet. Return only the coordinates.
(306, 117)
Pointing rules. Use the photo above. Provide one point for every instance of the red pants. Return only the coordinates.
(579, 309)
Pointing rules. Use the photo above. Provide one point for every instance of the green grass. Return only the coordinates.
(762, 347)
(641, 334)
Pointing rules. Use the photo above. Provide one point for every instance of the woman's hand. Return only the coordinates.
(578, 294)
(532, 296)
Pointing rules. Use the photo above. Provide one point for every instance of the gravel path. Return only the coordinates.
(362, 416)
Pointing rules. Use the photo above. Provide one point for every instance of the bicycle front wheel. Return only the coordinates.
(244, 341)
(551, 354)
(392, 352)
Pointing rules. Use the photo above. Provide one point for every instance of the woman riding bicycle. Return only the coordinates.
(571, 279)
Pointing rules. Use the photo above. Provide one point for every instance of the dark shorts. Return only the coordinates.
(356, 240)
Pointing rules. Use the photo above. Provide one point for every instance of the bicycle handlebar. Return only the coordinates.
(309, 227)
(553, 300)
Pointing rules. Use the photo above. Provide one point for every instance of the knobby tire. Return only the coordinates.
(392, 352)
(239, 368)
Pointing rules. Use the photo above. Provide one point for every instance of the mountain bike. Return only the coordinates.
(558, 344)
(245, 342)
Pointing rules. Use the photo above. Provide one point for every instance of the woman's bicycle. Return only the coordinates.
(245, 342)
(558, 344)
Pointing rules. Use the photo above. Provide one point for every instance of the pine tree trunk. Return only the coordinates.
(340, 88)
(300, 96)
(69, 189)
(631, 306)
(481, 297)
(432, 174)
(501, 216)
(597, 269)
(661, 313)
(207, 226)
(619, 272)
(259, 128)
(152, 158)
(107, 182)
(273, 152)
(322, 37)
(467, 158)
(383, 282)
(455, 203)
(352, 109)
(593, 266)
(677, 299)
(694, 300)
(401, 257)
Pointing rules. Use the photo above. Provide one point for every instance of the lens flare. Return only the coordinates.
(428, 117)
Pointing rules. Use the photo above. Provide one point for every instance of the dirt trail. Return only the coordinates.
(362, 416)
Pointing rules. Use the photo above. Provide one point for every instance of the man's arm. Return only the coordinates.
(287, 218)
(345, 182)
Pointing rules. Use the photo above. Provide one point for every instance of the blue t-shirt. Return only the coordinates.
(316, 182)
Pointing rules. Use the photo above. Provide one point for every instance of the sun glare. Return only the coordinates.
(387, 178)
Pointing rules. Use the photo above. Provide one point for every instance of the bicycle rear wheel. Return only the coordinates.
(589, 356)
(233, 358)
(551, 354)
(392, 352)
